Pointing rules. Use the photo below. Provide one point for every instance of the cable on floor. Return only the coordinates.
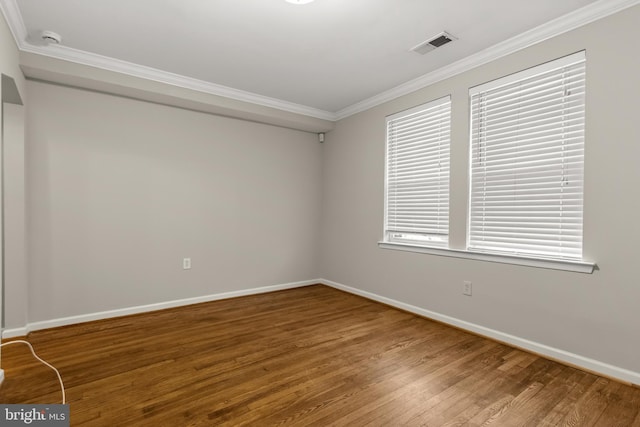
(42, 361)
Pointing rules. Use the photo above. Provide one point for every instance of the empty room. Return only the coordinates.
(320, 212)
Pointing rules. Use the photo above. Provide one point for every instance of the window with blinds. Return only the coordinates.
(527, 157)
(417, 175)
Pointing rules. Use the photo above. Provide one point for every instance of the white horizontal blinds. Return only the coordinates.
(527, 142)
(417, 178)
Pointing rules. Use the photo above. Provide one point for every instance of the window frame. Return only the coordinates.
(539, 244)
(570, 265)
(418, 239)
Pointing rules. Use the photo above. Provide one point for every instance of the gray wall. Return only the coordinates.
(596, 315)
(15, 230)
(9, 57)
(15, 240)
(121, 190)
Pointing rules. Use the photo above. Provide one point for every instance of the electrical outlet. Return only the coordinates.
(466, 288)
(186, 263)
(1, 376)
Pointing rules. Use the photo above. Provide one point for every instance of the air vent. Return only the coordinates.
(433, 43)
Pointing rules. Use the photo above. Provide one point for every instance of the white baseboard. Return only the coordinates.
(576, 360)
(566, 357)
(46, 324)
(15, 332)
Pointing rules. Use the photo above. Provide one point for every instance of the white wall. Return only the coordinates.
(595, 316)
(120, 190)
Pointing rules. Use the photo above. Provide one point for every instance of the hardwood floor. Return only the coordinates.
(307, 356)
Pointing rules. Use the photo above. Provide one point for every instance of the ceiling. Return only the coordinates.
(326, 56)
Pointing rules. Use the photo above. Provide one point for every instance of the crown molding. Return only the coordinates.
(597, 10)
(153, 74)
(12, 15)
(18, 29)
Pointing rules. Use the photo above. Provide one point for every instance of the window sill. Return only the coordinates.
(565, 265)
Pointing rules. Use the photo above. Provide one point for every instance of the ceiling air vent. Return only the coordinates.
(434, 42)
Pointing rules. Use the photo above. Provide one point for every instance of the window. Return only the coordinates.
(527, 156)
(417, 175)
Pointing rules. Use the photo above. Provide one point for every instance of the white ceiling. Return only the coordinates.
(327, 55)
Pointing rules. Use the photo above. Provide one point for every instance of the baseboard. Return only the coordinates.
(585, 363)
(566, 357)
(64, 321)
(15, 332)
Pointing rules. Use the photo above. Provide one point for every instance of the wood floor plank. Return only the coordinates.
(622, 408)
(311, 356)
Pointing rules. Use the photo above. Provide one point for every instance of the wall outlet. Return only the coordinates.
(466, 288)
(186, 263)
(1, 376)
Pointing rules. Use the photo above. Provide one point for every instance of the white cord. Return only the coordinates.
(43, 362)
